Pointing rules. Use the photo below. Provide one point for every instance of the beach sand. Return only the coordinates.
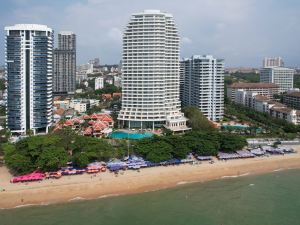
(86, 186)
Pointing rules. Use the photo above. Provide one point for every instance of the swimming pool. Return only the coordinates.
(125, 135)
(235, 126)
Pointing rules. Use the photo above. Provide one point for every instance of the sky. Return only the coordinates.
(242, 32)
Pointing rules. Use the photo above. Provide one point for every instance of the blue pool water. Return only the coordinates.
(236, 126)
(125, 135)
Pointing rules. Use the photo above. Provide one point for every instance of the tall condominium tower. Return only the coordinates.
(202, 85)
(29, 77)
(273, 62)
(64, 64)
(283, 77)
(150, 79)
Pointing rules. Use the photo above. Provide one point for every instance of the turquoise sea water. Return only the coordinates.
(124, 135)
(272, 199)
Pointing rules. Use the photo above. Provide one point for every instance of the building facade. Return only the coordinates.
(202, 85)
(265, 89)
(82, 71)
(64, 64)
(150, 78)
(283, 77)
(273, 62)
(28, 67)
(99, 83)
(263, 104)
(292, 100)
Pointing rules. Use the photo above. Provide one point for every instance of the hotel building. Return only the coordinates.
(64, 64)
(28, 65)
(202, 85)
(283, 77)
(264, 89)
(150, 78)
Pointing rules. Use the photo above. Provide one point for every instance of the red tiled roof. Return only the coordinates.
(69, 123)
(88, 131)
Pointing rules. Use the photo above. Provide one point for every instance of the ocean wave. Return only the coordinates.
(235, 176)
(107, 196)
(26, 205)
(277, 170)
(76, 199)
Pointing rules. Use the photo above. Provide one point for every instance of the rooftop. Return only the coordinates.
(261, 98)
(294, 94)
(282, 110)
(253, 85)
(38, 27)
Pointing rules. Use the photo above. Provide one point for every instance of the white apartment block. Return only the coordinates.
(80, 105)
(202, 85)
(261, 88)
(28, 73)
(99, 83)
(283, 77)
(263, 104)
(150, 77)
(273, 62)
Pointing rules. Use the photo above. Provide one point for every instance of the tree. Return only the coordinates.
(197, 121)
(230, 143)
(52, 158)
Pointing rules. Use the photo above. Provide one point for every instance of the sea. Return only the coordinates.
(270, 199)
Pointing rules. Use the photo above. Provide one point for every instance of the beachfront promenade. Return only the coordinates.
(106, 184)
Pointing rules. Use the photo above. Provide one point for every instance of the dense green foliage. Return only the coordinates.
(297, 81)
(157, 149)
(247, 77)
(2, 111)
(108, 89)
(2, 84)
(274, 126)
(241, 77)
(52, 151)
(196, 120)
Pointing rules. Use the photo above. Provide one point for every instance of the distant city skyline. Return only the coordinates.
(242, 32)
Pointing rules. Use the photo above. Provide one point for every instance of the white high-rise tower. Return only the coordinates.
(28, 65)
(150, 83)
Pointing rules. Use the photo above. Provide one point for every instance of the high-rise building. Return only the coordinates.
(273, 62)
(99, 83)
(64, 64)
(150, 78)
(28, 67)
(283, 77)
(202, 85)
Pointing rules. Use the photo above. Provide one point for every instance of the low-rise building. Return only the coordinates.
(80, 105)
(292, 100)
(263, 104)
(266, 89)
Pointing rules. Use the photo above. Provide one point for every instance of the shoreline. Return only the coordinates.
(86, 187)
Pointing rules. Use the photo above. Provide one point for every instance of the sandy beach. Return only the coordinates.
(86, 186)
